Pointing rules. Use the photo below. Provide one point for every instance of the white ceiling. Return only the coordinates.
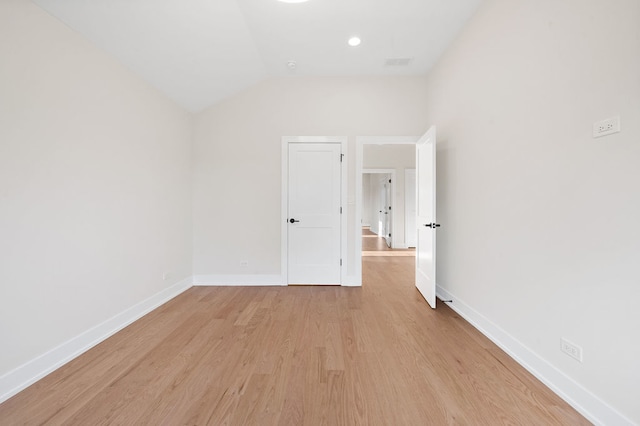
(201, 51)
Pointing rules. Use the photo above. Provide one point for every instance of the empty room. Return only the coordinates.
(184, 185)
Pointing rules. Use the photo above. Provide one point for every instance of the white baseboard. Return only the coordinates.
(253, 281)
(351, 281)
(25, 375)
(238, 280)
(593, 408)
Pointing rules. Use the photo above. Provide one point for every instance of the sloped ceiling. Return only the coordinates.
(201, 51)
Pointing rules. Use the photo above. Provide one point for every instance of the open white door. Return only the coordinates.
(382, 206)
(426, 216)
(387, 211)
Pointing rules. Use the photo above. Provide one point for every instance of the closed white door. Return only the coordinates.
(426, 216)
(313, 220)
(410, 207)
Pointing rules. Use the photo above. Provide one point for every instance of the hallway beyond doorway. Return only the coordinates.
(375, 245)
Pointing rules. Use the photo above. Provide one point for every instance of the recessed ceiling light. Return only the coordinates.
(354, 41)
(293, 1)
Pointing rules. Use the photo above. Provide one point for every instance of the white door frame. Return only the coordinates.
(407, 172)
(284, 249)
(360, 142)
(391, 172)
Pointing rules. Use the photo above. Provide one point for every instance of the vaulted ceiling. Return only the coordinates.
(201, 51)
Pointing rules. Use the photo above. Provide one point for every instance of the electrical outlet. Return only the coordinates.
(166, 276)
(606, 127)
(573, 350)
(244, 263)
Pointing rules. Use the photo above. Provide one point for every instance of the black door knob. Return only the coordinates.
(432, 225)
(293, 220)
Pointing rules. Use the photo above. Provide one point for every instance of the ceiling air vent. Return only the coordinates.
(397, 62)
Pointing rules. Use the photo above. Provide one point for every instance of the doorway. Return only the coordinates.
(397, 192)
(313, 196)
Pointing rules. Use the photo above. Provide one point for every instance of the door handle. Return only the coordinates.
(293, 220)
(432, 225)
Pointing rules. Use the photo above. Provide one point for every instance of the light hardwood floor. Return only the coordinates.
(376, 355)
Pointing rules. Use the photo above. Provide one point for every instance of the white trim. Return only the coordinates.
(379, 171)
(360, 142)
(238, 280)
(286, 140)
(387, 140)
(344, 202)
(593, 408)
(406, 211)
(351, 282)
(25, 375)
(284, 198)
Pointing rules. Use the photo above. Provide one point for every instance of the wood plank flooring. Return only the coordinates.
(376, 355)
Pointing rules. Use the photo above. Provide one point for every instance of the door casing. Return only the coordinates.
(360, 142)
(284, 250)
(410, 236)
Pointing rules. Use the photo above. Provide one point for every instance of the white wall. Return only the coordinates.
(237, 158)
(540, 221)
(367, 202)
(398, 157)
(95, 179)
